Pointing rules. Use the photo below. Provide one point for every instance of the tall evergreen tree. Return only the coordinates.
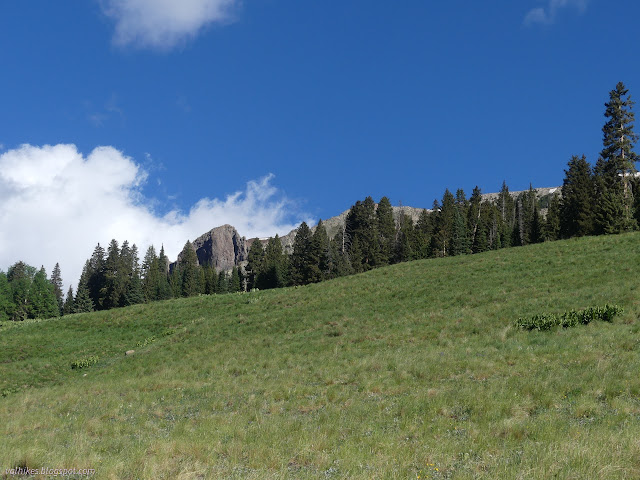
(20, 277)
(444, 225)
(190, 271)
(552, 224)
(361, 229)
(274, 272)
(423, 231)
(255, 261)
(406, 240)
(7, 306)
(301, 258)
(615, 173)
(164, 288)
(320, 254)
(506, 223)
(113, 286)
(150, 275)
(473, 214)
(95, 277)
(576, 206)
(42, 298)
(234, 281)
(69, 303)
(386, 228)
(56, 280)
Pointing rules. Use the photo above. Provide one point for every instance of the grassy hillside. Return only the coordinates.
(409, 371)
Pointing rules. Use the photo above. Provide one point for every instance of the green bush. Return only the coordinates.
(572, 318)
(84, 362)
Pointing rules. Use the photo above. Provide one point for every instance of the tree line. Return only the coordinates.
(604, 199)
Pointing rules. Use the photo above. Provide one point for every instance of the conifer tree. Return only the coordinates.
(320, 254)
(56, 280)
(576, 206)
(164, 288)
(255, 260)
(41, 299)
(112, 287)
(423, 231)
(69, 303)
(150, 275)
(20, 277)
(234, 281)
(7, 306)
(190, 271)
(83, 302)
(223, 283)
(274, 272)
(406, 242)
(617, 165)
(386, 228)
(301, 258)
(473, 215)
(444, 225)
(552, 224)
(506, 223)
(361, 229)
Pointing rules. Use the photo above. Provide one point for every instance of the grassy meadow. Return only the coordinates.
(410, 371)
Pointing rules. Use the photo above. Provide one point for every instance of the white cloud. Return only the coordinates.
(547, 16)
(164, 23)
(58, 204)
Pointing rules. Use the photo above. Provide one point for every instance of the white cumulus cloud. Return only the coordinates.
(164, 23)
(547, 15)
(57, 204)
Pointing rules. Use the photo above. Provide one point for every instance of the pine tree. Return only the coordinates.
(255, 260)
(320, 254)
(405, 245)
(552, 224)
(506, 224)
(190, 271)
(576, 206)
(20, 277)
(301, 258)
(618, 164)
(444, 225)
(223, 283)
(164, 288)
(234, 281)
(274, 272)
(56, 280)
(83, 302)
(42, 298)
(7, 306)
(423, 231)
(95, 277)
(361, 230)
(150, 275)
(69, 303)
(473, 214)
(386, 228)
(460, 238)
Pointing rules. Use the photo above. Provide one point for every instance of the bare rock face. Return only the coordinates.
(222, 248)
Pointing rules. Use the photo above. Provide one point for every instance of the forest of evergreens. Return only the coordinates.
(604, 199)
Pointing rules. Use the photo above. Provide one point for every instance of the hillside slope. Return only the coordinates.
(406, 371)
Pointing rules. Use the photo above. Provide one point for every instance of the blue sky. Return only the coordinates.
(263, 113)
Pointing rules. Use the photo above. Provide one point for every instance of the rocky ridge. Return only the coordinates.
(224, 248)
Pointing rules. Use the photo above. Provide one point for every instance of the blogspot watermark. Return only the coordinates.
(52, 472)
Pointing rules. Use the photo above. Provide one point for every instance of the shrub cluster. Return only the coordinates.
(146, 341)
(84, 362)
(572, 318)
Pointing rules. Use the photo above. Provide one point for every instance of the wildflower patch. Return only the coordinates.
(572, 318)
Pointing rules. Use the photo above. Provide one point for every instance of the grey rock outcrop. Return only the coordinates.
(221, 248)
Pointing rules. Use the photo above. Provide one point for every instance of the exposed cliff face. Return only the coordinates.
(222, 248)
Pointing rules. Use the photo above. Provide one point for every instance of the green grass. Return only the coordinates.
(412, 370)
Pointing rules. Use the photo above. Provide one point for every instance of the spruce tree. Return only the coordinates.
(164, 288)
(320, 254)
(223, 283)
(56, 280)
(7, 306)
(301, 258)
(274, 272)
(234, 281)
(406, 243)
(552, 223)
(69, 304)
(473, 215)
(42, 298)
(83, 302)
(444, 226)
(618, 165)
(386, 228)
(20, 277)
(113, 285)
(150, 275)
(423, 231)
(190, 271)
(255, 260)
(576, 206)
(95, 276)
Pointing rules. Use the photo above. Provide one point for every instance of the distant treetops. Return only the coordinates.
(600, 200)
